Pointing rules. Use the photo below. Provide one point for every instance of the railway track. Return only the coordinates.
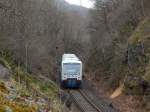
(84, 103)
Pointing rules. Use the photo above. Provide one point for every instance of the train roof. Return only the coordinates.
(70, 58)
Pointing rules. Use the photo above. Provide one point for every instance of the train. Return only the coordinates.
(71, 71)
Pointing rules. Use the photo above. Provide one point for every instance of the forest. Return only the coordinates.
(112, 39)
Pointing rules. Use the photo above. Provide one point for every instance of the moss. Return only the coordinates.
(32, 82)
(5, 63)
(49, 89)
(139, 42)
(6, 59)
(2, 108)
(127, 28)
(3, 88)
(139, 58)
(18, 104)
(15, 106)
(147, 74)
(141, 33)
(30, 79)
(27, 85)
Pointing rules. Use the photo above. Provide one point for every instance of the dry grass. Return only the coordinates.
(27, 85)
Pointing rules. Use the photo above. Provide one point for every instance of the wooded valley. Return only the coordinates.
(112, 39)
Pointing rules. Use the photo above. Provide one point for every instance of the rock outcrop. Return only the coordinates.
(4, 73)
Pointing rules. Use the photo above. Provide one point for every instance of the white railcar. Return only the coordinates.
(71, 71)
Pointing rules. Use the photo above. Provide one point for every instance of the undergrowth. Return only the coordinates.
(28, 85)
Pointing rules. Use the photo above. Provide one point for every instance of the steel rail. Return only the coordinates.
(83, 102)
(90, 101)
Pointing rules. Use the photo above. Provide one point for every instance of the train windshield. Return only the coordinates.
(72, 68)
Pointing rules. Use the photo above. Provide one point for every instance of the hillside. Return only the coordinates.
(112, 40)
(38, 31)
(21, 91)
(138, 56)
(118, 65)
(35, 33)
(136, 82)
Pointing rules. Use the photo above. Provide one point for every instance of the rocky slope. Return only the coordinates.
(24, 92)
(133, 95)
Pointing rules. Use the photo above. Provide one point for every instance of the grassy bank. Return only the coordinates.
(26, 92)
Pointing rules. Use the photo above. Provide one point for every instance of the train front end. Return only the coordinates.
(71, 76)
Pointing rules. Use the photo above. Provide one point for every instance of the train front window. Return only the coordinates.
(72, 68)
